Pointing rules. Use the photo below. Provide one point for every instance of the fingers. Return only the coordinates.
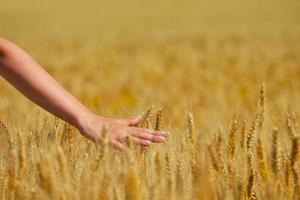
(118, 145)
(149, 137)
(131, 122)
(141, 141)
(149, 131)
(135, 121)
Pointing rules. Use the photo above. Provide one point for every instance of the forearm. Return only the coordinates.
(18, 68)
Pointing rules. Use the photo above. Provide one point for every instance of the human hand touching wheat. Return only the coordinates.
(25, 74)
(118, 129)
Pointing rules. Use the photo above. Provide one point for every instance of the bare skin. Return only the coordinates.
(32, 80)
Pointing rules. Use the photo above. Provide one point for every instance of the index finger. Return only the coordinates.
(150, 131)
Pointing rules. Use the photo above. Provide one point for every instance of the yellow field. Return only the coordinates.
(226, 74)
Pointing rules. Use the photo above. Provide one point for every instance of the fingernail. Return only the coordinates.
(161, 138)
(164, 133)
(148, 142)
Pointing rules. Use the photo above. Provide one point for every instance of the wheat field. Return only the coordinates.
(223, 78)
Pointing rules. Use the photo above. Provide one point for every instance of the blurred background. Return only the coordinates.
(93, 18)
(120, 57)
(233, 65)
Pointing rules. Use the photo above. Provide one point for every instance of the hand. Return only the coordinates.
(118, 129)
(17, 67)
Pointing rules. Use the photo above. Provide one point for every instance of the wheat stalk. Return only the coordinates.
(13, 173)
(262, 102)
(231, 141)
(158, 123)
(261, 160)
(251, 135)
(191, 128)
(22, 156)
(251, 190)
(243, 133)
(275, 152)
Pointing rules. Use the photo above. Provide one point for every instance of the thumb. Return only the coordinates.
(135, 121)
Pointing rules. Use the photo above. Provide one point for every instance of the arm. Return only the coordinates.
(26, 75)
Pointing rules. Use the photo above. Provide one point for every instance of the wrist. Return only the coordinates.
(83, 120)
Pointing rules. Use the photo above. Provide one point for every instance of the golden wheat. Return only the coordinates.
(212, 78)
